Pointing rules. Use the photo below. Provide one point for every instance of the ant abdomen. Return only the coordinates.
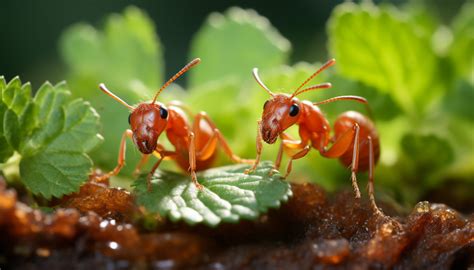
(347, 121)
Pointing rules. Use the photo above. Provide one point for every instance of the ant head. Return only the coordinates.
(148, 120)
(279, 113)
(282, 111)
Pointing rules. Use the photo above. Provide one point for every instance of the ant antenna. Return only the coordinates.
(326, 65)
(191, 64)
(314, 87)
(108, 92)
(259, 81)
(354, 98)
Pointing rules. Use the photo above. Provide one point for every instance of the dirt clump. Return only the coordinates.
(311, 231)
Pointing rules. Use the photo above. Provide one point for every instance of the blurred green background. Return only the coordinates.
(412, 60)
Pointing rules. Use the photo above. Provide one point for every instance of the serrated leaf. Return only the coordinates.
(53, 174)
(231, 44)
(11, 128)
(228, 195)
(380, 47)
(51, 133)
(127, 56)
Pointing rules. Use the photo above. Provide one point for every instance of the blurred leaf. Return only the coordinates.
(127, 50)
(231, 44)
(459, 100)
(429, 152)
(461, 52)
(228, 195)
(380, 47)
(127, 56)
(51, 133)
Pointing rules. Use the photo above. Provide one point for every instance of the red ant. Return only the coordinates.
(195, 146)
(355, 141)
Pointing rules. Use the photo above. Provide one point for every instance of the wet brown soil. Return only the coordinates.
(100, 228)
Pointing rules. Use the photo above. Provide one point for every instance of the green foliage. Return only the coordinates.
(230, 44)
(228, 195)
(401, 53)
(385, 50)
(461, 49)
(127, 56)
(418, 82)
(51, 132)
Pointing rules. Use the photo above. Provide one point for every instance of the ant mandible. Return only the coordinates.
(195, 146)
(355, 141)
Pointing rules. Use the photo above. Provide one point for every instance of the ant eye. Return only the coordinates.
(265, 104)
(294, 110)
(129, 119)
(163, 113)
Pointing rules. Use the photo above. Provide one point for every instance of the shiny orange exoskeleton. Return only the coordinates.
(195, 146)
(355, 141)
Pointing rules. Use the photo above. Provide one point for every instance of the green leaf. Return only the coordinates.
(127, 56)
(429, 152)
(459, 100)
(5, 148)
(461, 52)
(381, 47)
(125, 51)
(228, 195)
(11, 128)
(52, 173)
(231, 44)
(52, 133)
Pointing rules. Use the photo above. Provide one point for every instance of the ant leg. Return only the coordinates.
(163, 154)
(370, 186)
(355, 161)
(192, 160)
(140, 164)
(209, 148)
(259, 147)
(287, 142)
(121, 155)
(279, 157)
(298, 155)
(341, 146)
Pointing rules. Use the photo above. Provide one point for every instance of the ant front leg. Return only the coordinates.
(121, 155)
(140, 164)
(298, 155)
(259, 147)
(287, 142)
(163, 154)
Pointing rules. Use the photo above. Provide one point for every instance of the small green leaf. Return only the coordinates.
(51, 133)
(380, 47)
(228, 195)
(231, 44)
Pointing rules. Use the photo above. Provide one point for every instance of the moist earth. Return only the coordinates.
(100, 227)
